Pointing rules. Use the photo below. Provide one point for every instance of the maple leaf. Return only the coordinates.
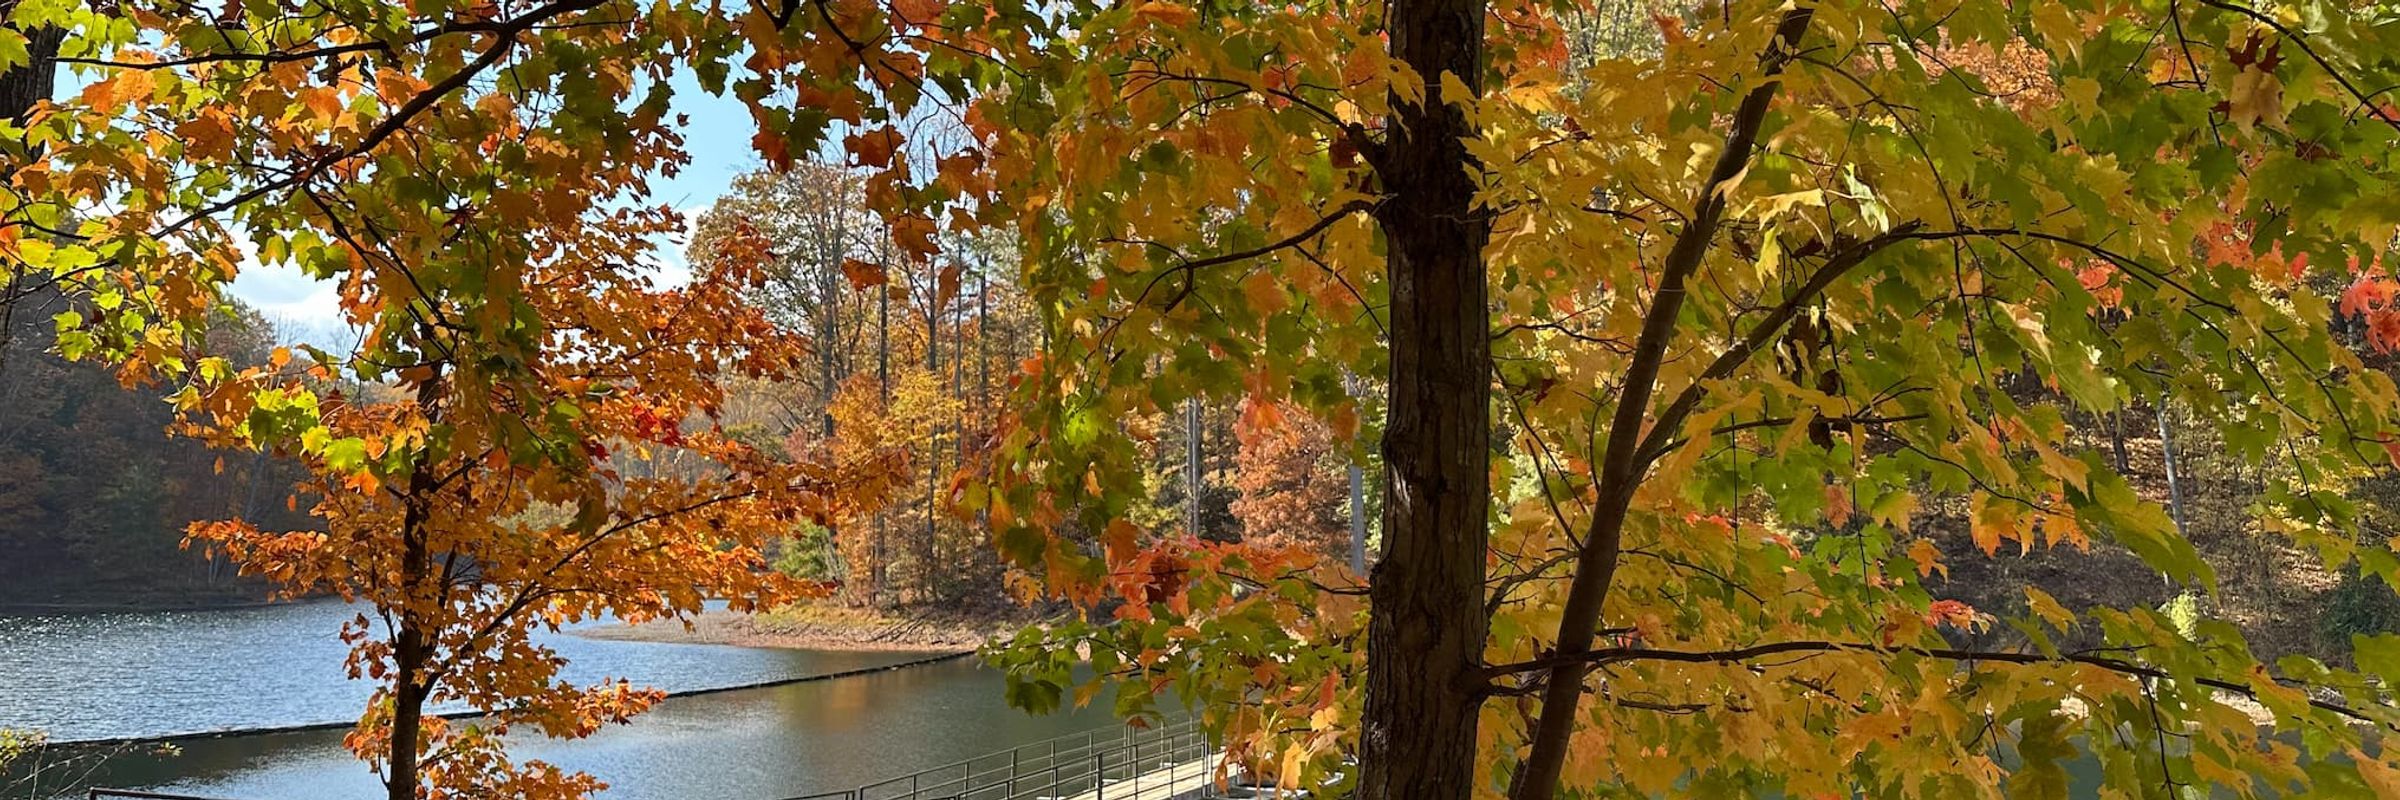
(873, 148)
(1928, 558)
(2255, 97)
(914, 233)
(919, 11)
(862, 274)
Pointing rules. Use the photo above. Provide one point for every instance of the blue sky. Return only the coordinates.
(717, 134)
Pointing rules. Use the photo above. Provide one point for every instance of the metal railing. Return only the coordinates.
(1118, 762)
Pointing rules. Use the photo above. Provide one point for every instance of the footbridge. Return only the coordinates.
(1174, 762)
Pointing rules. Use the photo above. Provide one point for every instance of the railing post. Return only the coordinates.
(1099, 777)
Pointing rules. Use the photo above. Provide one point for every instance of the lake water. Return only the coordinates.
(153, 674)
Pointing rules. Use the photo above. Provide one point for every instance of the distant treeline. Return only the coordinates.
(94, 493)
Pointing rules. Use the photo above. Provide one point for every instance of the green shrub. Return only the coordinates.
(808, 556)
(15, 744)
(2359, 604)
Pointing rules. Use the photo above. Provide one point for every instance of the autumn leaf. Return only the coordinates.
(914, 233)
(873, 148)
(863, 274)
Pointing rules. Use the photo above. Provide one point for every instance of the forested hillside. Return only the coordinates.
(95, 493)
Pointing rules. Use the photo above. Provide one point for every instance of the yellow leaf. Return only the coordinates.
(2047, 607)
(1779, 204)
(1991, 522)
(2256, 96)
(2377, 774)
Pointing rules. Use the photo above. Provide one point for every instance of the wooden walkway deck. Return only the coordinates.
(1177, 781)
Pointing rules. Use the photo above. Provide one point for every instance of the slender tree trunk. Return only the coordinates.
(2166, 453)
(933, 440)
(1622, 463)
(2116, 438)
(408, 706)
(411, 646)
(983, 341)
(1426, 635)
(1191, 466)
(883, 373)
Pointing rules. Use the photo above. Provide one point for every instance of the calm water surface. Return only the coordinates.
(151, 674)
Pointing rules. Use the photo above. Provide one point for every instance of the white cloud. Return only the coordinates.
(669, 265)
(306, 309)
(302, 308)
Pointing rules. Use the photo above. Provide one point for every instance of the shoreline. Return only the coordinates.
(315, 727)
(813, 627)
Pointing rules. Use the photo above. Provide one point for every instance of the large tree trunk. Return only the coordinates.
(20, 89)
(31, 83)
(1426, 636)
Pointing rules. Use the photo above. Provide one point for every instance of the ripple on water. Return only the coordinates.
(162, 673)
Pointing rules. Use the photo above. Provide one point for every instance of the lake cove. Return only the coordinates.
(154, 674)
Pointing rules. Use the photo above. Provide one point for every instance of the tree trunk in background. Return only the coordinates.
(933, 444)
(2116, 438)
(2166, 454)
(1191, 466)
(883, 374)
(1426, 635)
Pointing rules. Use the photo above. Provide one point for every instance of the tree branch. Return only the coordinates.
(1620, 472)
(1617, 655)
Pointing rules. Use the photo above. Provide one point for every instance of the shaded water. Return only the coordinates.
(117, 675)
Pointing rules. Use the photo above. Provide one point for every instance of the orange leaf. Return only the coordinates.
(1168, 14)
(863, 274)
(772, 147)
(1264, 293)
(919, 11)
(1928, 558)
(914, 233)
(873, 148)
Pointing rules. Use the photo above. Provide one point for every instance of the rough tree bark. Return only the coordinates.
(21, 88)
(1425, 639)
(32, 82)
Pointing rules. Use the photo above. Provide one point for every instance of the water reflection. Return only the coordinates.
(763, 743)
